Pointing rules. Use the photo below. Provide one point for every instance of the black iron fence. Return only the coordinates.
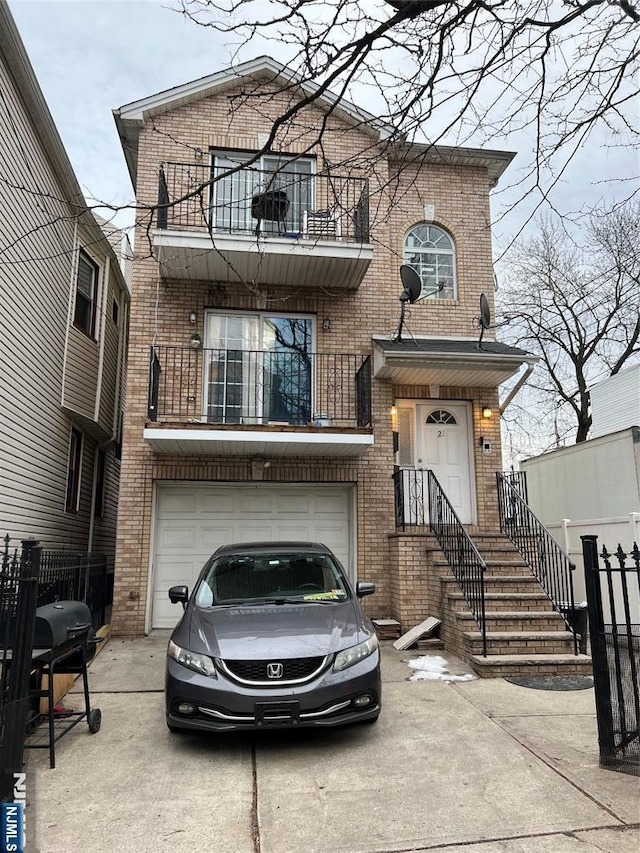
(19, 569)
(463, 557)
(613, 601)
(76, 576)
(217, 386)
(550, 564)
(29, 578)
(287, 201)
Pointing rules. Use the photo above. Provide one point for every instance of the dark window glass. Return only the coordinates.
(99, 504)
(73, 471)
(86, 289)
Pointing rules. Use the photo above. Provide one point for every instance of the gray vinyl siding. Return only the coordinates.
(81, 374)
(108, 394)
(38, 249)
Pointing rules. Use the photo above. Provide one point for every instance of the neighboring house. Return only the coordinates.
(297, 411)
(63, 329)
(593, 488)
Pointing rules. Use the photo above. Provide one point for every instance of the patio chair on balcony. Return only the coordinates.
(319, 224)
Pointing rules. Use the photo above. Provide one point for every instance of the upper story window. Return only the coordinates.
(84, 316)
(431, 252)
(270, 196)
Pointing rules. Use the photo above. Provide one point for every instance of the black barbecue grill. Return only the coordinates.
(64, 642)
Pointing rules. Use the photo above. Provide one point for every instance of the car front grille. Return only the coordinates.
(294, 670)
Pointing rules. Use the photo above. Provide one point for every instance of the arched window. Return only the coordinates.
(441, 416)
(431, 252)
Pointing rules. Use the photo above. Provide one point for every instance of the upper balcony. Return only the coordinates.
(278, 226)
(265, 403)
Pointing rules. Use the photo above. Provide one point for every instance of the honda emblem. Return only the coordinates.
(274, 670)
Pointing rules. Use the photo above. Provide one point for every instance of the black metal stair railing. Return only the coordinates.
(409, 498)
(550, 564)
(463, 557)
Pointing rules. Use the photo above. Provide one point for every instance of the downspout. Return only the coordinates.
(531, 363)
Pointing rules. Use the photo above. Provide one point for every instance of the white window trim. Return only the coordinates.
(93, 334)
(437, 297)
(261, 315)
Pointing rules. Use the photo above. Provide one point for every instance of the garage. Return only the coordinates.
(193, 519)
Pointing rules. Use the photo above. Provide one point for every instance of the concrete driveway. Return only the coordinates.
(479, 766)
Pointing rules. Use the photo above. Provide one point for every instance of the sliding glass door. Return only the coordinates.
(271, 187)
(258, 369)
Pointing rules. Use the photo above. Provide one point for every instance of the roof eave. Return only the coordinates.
(495, 161)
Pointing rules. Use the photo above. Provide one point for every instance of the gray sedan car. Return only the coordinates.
(273, 635)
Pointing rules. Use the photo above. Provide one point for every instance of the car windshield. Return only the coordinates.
(271, 577)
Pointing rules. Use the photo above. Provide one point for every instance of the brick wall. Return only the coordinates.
(160, 313)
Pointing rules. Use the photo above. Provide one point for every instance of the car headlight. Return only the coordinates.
(351, 656)
(192, 660)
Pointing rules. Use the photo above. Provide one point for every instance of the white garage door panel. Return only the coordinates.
(193, 520)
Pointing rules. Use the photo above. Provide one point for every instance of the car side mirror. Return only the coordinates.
(179, 594)
(363, 588)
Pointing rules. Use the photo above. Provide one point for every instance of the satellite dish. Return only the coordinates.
(412, 287)
(485, 317)
(411, 283)
(485, 312)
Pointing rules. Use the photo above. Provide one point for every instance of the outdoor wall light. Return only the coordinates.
(193, 318)
(487, 412)
(326, 324)
(198, 153)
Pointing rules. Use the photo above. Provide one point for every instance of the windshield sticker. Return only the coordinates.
(331, 595)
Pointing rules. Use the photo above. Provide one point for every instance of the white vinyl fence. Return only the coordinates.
(623, 530)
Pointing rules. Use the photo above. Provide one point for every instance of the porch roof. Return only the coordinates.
(444, 361)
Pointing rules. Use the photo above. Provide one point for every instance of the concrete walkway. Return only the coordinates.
(470, 767)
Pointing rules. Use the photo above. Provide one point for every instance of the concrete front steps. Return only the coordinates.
(525, 635)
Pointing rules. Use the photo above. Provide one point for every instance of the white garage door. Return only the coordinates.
(193, 519)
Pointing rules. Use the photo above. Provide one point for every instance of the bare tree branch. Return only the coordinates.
(577, 308)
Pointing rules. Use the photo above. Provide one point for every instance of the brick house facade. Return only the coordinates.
(259, 434)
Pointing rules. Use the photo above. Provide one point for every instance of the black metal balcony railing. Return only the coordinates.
(549, 563)
(244, 387)
(270, 203)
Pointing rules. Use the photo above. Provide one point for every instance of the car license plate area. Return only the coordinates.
(277, 713)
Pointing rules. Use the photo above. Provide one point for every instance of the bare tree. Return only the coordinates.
(577, 306)
(475, 70)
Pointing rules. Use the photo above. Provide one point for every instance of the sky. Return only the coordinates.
(91, 56)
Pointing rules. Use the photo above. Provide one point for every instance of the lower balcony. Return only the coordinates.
(258, 403)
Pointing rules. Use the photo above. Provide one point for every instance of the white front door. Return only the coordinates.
(443, 447)
(440, 442)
